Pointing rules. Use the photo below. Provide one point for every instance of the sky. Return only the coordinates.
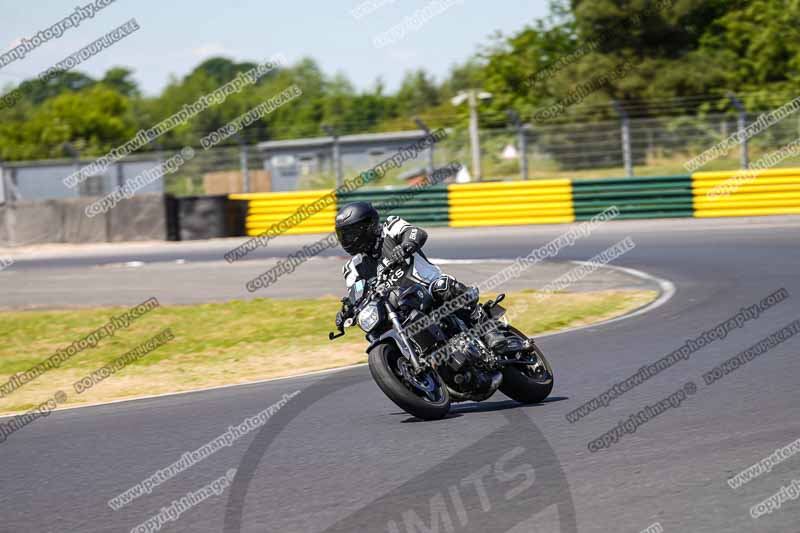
(176, 35)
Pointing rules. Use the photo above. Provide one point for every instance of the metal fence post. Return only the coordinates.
(523, 151)
(2, 183)
(741, 124)
(522, 139)
(245, 169)
(421, 125)
(76, 161)
(472, 96)
(626, 139)
(474, 135)
(337, 156)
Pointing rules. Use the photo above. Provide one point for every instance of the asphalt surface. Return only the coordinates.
(340, 457)
(177, 283)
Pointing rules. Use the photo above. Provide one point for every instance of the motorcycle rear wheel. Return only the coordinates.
(528, 383)
(384, 365)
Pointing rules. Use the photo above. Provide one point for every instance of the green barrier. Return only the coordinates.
(646, 197)
(635, 189)
(630, 181)
(643, 197)
(637, 216)
(426, 206)
(580, 204)
(663, 193)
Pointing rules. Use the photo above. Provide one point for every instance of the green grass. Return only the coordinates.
(231, 342)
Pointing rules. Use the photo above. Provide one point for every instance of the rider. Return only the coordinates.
(396, 243)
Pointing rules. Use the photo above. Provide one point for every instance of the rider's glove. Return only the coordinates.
(399, 254)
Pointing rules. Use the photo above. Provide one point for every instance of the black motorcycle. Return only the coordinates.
(423, 370)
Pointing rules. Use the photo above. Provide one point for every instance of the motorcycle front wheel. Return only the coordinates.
(423, 396)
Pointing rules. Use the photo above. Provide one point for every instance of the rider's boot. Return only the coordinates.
(491, 331)
(495, 334)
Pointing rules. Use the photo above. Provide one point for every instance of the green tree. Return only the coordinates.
(94, 121)
(679, 48)
(757, 45)
(417, 92)
(119, 78)
(37, 91)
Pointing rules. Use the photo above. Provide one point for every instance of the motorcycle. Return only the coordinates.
(426, 367)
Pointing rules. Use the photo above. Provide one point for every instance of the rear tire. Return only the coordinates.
(523, 384)
(383, 365)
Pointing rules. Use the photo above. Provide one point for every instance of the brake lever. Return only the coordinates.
(347, 323)
(494, 303)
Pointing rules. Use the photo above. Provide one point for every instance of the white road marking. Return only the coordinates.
(667, 292)
(666, 287)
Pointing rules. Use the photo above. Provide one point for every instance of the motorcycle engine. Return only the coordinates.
(461, 350)
(464, 368)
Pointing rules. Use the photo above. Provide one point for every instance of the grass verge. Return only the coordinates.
(226, 343)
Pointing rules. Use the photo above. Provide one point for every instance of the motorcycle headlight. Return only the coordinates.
(368, 317)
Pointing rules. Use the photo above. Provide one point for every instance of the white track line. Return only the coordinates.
(469, 261)
(666, 288)
(216, 387)
(667, 291)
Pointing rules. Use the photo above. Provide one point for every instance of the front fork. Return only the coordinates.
(407, 347)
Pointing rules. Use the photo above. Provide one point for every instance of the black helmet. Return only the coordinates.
(357, 227)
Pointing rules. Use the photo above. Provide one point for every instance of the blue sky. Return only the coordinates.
(176, 35)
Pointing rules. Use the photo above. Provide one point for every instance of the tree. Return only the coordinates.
(678, 49)
(417, 92)
(467, 75)
(758, 46)
(94, 120)
(37, 91)
(513, 63)
(221, 69)
(119, 79)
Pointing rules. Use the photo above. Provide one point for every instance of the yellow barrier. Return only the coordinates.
(765, 192)
(511, 203)
(265, 209)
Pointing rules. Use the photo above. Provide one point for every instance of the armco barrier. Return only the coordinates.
(265, 209)
(772, 192)
(553, 201)
(510, 203)
(645, 197)
(426, 206)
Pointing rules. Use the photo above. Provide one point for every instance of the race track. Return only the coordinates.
(340, 457)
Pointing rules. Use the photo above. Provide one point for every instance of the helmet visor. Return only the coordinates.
(355, 238)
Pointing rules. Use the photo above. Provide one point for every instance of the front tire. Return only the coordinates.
(528, 383)
(384, 365)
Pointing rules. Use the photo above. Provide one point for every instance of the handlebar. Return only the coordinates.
(379, 285)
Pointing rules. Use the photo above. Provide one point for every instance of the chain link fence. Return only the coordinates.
(575, 150)
(659, 146)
